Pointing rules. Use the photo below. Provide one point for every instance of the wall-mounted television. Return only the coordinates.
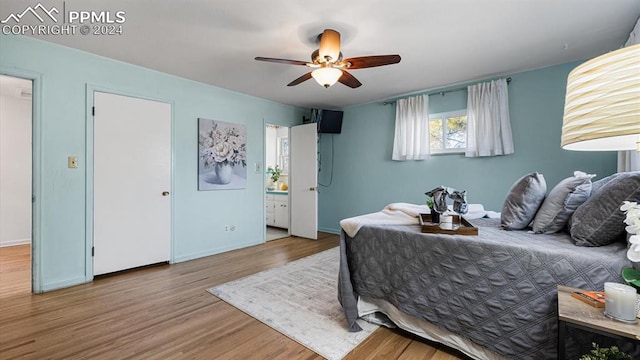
(330, 122)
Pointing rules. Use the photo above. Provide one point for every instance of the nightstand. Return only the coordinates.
(573, 312)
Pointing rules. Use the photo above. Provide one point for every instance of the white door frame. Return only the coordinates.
(90, 90)
(36, 171)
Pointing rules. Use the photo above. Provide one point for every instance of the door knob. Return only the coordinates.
(165, 193)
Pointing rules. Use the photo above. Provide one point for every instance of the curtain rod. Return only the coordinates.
(440, 92)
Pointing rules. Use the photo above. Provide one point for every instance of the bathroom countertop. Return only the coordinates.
(277, 192)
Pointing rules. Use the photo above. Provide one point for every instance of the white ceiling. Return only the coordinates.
(441, 42)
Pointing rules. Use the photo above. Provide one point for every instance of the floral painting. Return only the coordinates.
(222, 155)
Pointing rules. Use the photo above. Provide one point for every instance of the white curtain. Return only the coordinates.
(411, 139)
(488, 123)
(630, 160)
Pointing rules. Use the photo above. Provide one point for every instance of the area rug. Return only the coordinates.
(299, 300)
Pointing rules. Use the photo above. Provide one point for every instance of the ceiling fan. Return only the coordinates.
(329, 65)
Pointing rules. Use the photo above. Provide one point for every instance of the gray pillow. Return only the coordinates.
(522, 202)
(595, 187)
(562, 201)
(602, 182)
(599, 221)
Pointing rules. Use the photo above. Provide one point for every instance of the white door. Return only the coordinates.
(304, 181)
(131, 182)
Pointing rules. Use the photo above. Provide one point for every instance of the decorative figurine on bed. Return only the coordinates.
(439, 196)
(459, 201)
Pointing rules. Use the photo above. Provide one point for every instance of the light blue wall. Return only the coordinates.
(365, 179)
(199, 217)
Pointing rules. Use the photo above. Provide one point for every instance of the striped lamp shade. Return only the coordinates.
(602, 106)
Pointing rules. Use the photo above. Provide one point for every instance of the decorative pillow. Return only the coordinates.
(599, 220)
(522, 202)
(595, 187)
(562, 201)
(602, 182)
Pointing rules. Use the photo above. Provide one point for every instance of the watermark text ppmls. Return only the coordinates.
(63, 20)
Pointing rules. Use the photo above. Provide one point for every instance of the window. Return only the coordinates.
(283, 154)
(448, 132)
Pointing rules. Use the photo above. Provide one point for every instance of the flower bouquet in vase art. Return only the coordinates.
(223, 149)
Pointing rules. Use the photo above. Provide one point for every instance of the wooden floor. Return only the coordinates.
(164, 312)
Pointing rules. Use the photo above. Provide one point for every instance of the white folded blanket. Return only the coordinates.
(392, 214)
(399, 214)
(410, 209)
(475, 211)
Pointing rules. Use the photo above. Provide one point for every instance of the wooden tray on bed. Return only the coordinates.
(466, 228)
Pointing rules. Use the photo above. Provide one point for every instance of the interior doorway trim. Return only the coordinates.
(264, 180)
(265, 124)
(90, 90)
(36, 171)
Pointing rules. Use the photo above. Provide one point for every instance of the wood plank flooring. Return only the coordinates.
(164, 312)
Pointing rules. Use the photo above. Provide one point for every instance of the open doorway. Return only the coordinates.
(16, 119)
(277, 181)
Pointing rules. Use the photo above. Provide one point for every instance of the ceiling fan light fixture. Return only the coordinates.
(329, 46)
(326, 76)
(329, 65)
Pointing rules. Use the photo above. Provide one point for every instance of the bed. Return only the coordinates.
(491, 296)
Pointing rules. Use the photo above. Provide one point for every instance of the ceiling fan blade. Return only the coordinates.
(371, 61)
(349, 80)
(282, 61)
(301, 79)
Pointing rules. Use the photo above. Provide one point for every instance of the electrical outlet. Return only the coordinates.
(226, 228)
(72, 162)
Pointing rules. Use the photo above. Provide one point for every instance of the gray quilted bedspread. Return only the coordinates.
(497, 289)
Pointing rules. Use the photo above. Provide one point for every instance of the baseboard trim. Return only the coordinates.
(64, 284)
(193, 256)
(330, 231)
(15, 242)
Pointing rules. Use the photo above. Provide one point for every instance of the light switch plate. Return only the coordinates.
(72, 162)
(257, 168)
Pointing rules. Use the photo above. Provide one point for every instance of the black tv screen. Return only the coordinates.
(330, 122)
